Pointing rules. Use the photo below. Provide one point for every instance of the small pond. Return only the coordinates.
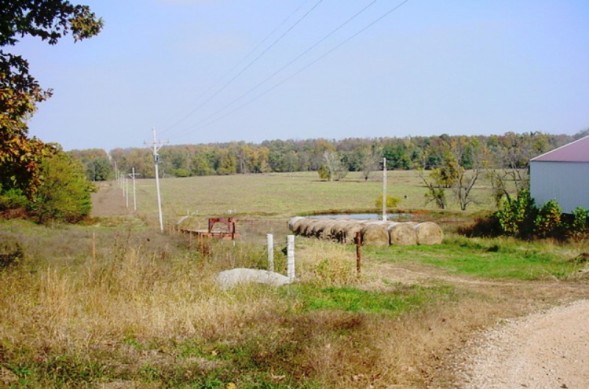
(363, 216)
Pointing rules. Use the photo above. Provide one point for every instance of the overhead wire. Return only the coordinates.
(210, 120)
(252, 62)
(292, 61)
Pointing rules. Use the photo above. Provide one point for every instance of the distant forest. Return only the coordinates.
(510, 150)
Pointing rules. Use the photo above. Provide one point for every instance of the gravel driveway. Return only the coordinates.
(544, 350)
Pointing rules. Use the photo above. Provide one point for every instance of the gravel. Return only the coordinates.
(544, 350)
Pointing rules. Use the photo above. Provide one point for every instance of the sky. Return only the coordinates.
(207, 71)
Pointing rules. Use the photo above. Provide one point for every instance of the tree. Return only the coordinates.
(435, 193)
(464, 185)
(96, 163)
(333, 162)
(64, 194)
(369, 161)
(474, 158)
(49, 20)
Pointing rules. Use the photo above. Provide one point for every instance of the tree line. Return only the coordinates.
(37, 179)
(334, 157)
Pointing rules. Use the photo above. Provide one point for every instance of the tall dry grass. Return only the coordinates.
(129, 293)
(145, 311)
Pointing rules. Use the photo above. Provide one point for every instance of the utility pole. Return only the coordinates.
(134, 194)
(384, 189)
(156, 159)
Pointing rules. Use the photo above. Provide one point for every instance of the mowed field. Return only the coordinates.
(279, 195)
(117, 304)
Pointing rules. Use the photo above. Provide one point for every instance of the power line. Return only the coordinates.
(212, 120)
(251, 63)
(295, 59)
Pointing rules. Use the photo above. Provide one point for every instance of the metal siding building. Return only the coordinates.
(563, 175)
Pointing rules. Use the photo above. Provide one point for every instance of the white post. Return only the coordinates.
(159, 198)
(290, 254)
(126, 190)
(270, 239)
(134, 194)
(156, 160)
(384, 189)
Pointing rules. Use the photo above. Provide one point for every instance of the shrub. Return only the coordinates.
(181, 172)
(324, 173)
(12, 198)
(548, 220)
(64, 194)
(578, 226)
(392, 202)
(516, 216)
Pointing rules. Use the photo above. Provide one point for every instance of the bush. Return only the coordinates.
(392, 202)
(520, 217)
(516, 216)
(548, 220)
(181, 172)
(64, 194)
(578, 226)
(324, 173)
(12, 199)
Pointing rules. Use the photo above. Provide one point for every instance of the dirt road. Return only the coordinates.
(544, 350)
(108, 201)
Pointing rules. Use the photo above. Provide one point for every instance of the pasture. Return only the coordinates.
(116, 304)
(281, 195)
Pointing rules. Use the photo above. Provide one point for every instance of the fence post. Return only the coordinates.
(290, 253)
(358, 241)
(270, 239)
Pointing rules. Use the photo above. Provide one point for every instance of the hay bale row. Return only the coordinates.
(374, 233)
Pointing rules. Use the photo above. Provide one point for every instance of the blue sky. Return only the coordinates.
(203, 71)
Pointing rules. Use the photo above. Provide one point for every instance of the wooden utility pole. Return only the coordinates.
(156, 159)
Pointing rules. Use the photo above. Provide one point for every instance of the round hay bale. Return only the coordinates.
(349, 231)
(298, 226)
(293, 222)
(374, 234)
(317, 227)
(337, 230)
(429, 233)
(312, 228)
(402, 234)
(306, 226)
(325, 232)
